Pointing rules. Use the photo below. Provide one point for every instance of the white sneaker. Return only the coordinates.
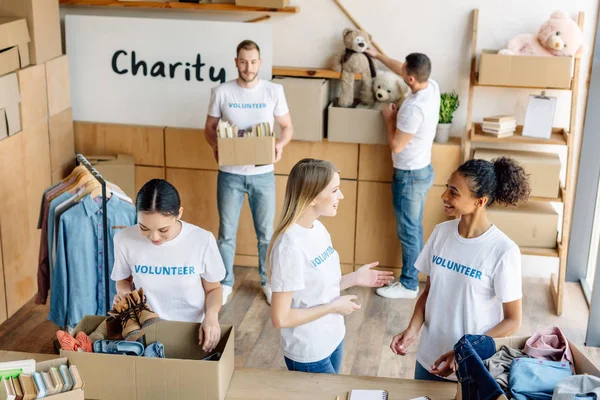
(397, 291)
(267, 291)
(227, 290)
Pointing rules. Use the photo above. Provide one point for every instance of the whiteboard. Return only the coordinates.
(167, 86)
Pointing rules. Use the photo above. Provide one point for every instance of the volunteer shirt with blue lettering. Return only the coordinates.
(170, 273)
(247, 107)
(303, 261)
(470, 279)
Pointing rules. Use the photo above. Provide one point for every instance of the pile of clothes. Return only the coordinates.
(542, 370)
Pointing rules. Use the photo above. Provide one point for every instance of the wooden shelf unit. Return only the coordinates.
(178, 6)
(560, 136)
(301, 72)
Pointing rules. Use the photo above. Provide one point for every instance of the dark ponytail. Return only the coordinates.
(158, 195)
(502, 180)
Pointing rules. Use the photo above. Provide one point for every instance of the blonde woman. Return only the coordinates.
(306, 277)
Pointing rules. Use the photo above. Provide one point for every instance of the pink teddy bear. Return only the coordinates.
(559, 36)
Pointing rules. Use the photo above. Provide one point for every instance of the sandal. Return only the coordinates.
(128, 348)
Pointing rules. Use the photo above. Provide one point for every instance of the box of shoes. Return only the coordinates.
(186, 372)
(581, 363)
(31, 376)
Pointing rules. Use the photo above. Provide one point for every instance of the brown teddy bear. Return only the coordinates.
(354, 60)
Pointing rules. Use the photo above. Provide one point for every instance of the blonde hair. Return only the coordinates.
(308, 178)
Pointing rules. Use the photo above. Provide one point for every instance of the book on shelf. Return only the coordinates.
(499, 135)
(501, 126)
(499, 118)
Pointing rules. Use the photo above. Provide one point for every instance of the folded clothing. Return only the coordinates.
(550, 344)
(578, 387)
(156, 349)
(499, 365)
(475, 380)
(533, 379)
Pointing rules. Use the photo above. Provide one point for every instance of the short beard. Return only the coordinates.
(246, 80)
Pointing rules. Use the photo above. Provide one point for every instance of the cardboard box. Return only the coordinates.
(582, 364)
(43, 363)
(32, 85)
(57, 84)
(10, 98)
(182, 375)
(263, 3)
(43, 21)
(543, 169)
(246, 150)
(355, 125)
(62, 145)
(14, 41)
(525, 71)
(307, 100)
(119, 170)
(534, 224)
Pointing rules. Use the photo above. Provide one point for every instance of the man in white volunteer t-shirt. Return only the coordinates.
(247, 101)
(410, 135)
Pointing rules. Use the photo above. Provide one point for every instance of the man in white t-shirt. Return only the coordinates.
(410, 135)
(247, 101)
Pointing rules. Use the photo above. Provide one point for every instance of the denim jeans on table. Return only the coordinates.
(328, 365)
(535, 379)
(409, 190)
(231, 189)
(475, 380)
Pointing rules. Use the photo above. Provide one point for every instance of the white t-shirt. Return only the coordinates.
(171, 273)
(419, 116)
(304, 262)
(470, 279)
(245, 108)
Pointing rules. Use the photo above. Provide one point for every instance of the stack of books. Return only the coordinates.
(226, 130)
(499, 126)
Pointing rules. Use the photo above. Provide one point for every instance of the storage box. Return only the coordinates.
(57, 84)
(246, 150)
(43, 364)
(43, 22)
(355, 125)
(543, 169)
(182, 375)
(10, 98)
(307, 100)
(262, 3)
(582, 364)
(119, 170)
(534, 224)
(525, 71)
(14, 41)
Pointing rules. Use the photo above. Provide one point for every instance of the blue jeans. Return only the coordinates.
(409, 190)
(328, 365)
(230, 197)
(476, 381)
(533, 379)
(422, 374)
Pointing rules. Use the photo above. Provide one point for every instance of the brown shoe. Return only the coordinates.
(109, 329)
(124, 312)
(143, 312)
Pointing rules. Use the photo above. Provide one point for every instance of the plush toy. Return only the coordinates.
(354, 60)
(559, 36)
(387, 88)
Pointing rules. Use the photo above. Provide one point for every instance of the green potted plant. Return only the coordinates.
(448, 105)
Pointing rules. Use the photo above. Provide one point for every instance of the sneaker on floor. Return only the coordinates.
(227, 290)
(267, 291)
(397, 291)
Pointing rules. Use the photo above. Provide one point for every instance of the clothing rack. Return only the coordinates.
(81, 160)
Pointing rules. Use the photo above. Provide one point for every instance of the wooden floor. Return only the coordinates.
(368, 336)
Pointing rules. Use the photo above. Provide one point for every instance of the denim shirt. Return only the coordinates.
(78, 282)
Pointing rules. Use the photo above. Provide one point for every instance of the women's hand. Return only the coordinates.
(119, 297)
(449, 366)
(345, 306)
(369, 277)
(210, 333)
(402, 341)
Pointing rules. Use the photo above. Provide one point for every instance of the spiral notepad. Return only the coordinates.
(368, 395)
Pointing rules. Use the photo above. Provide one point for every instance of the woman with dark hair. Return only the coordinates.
(177, 264)
(473, 269)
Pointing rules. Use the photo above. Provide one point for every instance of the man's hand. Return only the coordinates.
(372, 51)
(390, 114)
(216, 153)
(278, 151)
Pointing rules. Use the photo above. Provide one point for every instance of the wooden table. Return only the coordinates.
(269, 384)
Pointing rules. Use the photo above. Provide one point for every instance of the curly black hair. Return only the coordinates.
(502, 180)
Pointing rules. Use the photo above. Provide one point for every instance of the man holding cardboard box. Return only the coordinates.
(245, 102)
(410, 135)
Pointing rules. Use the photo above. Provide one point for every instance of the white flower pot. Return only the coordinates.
(443, 133)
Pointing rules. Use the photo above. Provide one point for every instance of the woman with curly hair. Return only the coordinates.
(473, 269)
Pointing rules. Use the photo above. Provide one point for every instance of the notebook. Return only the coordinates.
(368, 395)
